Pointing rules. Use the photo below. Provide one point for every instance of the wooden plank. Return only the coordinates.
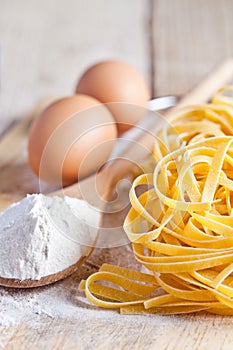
(46, 46)
(43, 49)
(189, 39)
(170, 333)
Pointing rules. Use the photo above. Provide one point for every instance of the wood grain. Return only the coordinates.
(189, 39)
(44, 47)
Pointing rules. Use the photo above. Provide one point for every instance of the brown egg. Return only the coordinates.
(114, 81)
(70, 139)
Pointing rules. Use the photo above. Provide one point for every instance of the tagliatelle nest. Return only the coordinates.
(181, 227)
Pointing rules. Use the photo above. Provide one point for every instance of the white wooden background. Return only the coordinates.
(44, 47)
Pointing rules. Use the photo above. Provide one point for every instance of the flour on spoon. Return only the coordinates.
(41, 235)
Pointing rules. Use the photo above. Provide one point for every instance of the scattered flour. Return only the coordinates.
(43, 235)
(57, 301)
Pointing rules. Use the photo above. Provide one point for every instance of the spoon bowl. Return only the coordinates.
(50, 279)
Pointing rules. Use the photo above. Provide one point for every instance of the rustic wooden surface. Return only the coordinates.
(189, 39)
(44, 48)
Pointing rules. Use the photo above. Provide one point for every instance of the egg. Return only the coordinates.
(112, 82)
(72, 138)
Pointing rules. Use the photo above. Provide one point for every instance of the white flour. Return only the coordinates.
(43, 235)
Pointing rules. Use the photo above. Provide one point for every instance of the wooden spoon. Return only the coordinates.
(99, 188)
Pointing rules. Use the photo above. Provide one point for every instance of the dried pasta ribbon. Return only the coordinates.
(181, 227)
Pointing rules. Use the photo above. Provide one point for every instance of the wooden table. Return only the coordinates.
(45, 46)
